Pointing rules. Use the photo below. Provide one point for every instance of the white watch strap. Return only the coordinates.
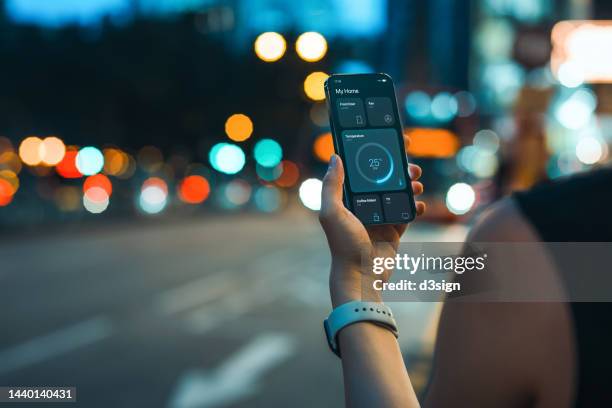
(357, 311)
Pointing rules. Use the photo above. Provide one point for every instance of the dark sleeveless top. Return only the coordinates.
(579, 209)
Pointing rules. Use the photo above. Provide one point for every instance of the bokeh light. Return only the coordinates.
(130, 168)
(577, 110)
(89, 161)
(466, 104)
(324, 147)
(589, 150)
(479, 161)
(6, 192)
(313, 85)
(67, 168)
(267, 199)
(193, 189)
(318, 115)
(444, 107)
(10, 161)
(238, 127)
(150, 159)
(99, 181)
(52, 151)
(9, 184)
(460, 198)
(354, 67)
(418, 105)
(311, 46)
(153, 195)
(227, 158)
(570, 74)
(5, 145)
(29, 151)
(310, 193)
(432, 143)
(116, 162)
(235, 194)
(487, 139)
(96, 200)
(269, 174)
(270, 46)
(268, 153)
(290, 175)
(67, 198)
(12, 179)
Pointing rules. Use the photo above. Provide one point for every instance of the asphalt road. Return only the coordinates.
(207, 312)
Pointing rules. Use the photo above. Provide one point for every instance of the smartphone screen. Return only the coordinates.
(367, 134)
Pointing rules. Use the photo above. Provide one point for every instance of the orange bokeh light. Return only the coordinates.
(239, 127)
(98, 180)
(324, 147)
(6, 192)
(67, 167)
(313, 85)
(29, 150)
(12, 179)
(116, 162)
(432, 143)
(194, 189)
(290, 175)
(9, 160)
(52, 151)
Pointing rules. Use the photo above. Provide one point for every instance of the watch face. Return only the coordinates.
(374, 160)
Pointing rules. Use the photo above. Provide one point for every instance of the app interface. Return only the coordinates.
(373, 160)
(367, 127)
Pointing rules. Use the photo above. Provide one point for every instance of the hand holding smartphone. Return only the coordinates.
(367, 134)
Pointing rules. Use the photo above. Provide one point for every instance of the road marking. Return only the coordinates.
(215, 286)
(236, 378)
(208, 317)
(195, 292)
(267, 280)
(54, 344)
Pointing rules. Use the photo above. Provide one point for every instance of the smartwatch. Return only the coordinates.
(353, 312)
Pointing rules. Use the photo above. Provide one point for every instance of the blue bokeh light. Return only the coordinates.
(89, 161)
(227, 158)
(418, 105)
(268, 153)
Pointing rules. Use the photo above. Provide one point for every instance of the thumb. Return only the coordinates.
(331, 194)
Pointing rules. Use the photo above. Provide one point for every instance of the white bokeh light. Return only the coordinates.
(570, 74)
(310, 193)
(460, 198)
(153, 199)
(589, 150)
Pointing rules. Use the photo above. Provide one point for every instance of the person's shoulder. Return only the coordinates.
(503, 221)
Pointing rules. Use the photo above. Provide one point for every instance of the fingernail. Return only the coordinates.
(332, 161)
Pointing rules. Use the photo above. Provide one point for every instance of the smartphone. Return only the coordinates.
(367, 134)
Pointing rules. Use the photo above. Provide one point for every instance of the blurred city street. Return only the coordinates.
(161, 167)
(203, 312)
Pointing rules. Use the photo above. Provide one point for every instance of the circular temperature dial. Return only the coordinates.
(374, 163)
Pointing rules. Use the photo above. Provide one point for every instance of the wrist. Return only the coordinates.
(348, 283)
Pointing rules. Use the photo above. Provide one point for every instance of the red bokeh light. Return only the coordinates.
(98, 180)
(6, 192)
(290, 174)
(67, 167)
(155, 182)
(194, 189)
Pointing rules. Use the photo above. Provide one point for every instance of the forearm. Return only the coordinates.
(374, 370)
(373, 366)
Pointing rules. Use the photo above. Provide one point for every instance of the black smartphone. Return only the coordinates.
(367, 134)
